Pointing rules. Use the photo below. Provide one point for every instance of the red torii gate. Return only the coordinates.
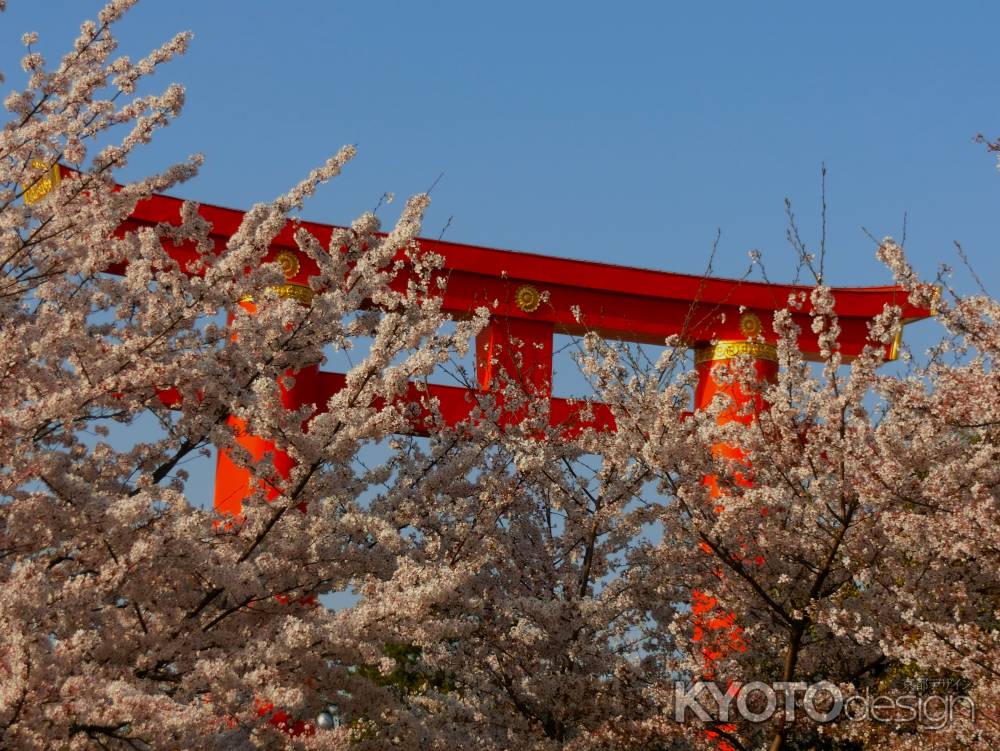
(533, 297)
(536, 297)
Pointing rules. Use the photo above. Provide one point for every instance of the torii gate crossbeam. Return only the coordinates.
(532, 297)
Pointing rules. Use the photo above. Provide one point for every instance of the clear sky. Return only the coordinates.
(623, 132)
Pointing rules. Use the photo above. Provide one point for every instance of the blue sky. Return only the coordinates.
(626, 133)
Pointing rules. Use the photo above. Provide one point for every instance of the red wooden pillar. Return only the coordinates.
(715, 628)
(707, 361)
(232, 482)
(522, 348)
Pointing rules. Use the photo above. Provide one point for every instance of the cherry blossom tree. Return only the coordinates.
(132, 620)
(519, 587)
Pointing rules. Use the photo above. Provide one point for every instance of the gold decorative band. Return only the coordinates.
(727, 350)
(298, 292)
(935, 299)
(897, 342)
(44, 184)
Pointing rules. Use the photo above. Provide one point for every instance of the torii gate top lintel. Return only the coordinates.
(532, 297)
(619, 302)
